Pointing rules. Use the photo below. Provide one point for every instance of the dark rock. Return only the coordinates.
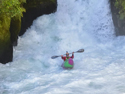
(6, 55)
(32, 12)
(6, 49)
(14, 30)
(118, 23)
(10, 28)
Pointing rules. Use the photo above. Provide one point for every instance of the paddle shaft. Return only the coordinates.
(69, 53)
(79, 51)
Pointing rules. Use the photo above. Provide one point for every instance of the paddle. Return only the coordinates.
(79, 51)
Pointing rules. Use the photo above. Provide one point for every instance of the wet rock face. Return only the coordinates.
(6, 49)
(118, 23)
(11, 28)
(6, 54)
(34, 9)
(14, 30)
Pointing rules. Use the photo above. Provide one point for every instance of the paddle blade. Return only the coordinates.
(80, 50)
(53, 57)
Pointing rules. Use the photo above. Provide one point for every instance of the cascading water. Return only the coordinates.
(76, 24)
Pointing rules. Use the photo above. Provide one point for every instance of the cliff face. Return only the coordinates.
(11, 28)
(35, 8)
(118, 23)
(6, 50)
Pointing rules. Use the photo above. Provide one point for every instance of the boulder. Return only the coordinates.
(118, 22)
(34, 9)
(11, 28)
(6, 49)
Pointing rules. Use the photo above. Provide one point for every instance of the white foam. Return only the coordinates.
(76, 24)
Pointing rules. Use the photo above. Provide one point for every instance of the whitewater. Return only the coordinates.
(76, 24)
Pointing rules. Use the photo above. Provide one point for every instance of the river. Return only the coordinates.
(77, 24)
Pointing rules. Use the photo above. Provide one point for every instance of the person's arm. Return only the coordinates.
(72, 55)
(63, 57)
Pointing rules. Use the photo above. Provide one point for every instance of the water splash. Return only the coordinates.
(76, 24)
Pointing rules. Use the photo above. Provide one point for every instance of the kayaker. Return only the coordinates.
(67, 56)
(68, 62)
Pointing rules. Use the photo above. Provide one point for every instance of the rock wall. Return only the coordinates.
(15, 27)
(6, 50)
(34, 9)
(118, 23)
(11, 28)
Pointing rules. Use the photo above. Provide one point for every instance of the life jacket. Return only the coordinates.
(68, 63)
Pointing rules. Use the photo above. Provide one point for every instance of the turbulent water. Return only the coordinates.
(76, 24)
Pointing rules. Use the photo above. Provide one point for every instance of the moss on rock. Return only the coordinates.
(5, 43)
(118, 19)
(34, 9)
(120, 5)
(4, 31)
(15, 29)
(11, 23)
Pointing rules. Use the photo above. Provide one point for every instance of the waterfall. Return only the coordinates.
(76, 24)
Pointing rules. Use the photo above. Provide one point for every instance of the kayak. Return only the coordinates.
(68, 64)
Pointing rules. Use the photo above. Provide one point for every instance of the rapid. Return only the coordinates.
(76, 24)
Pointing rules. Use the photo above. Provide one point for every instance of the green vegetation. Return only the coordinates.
(120, 5)
(11, 12)
(4, 32)
(11, 8)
